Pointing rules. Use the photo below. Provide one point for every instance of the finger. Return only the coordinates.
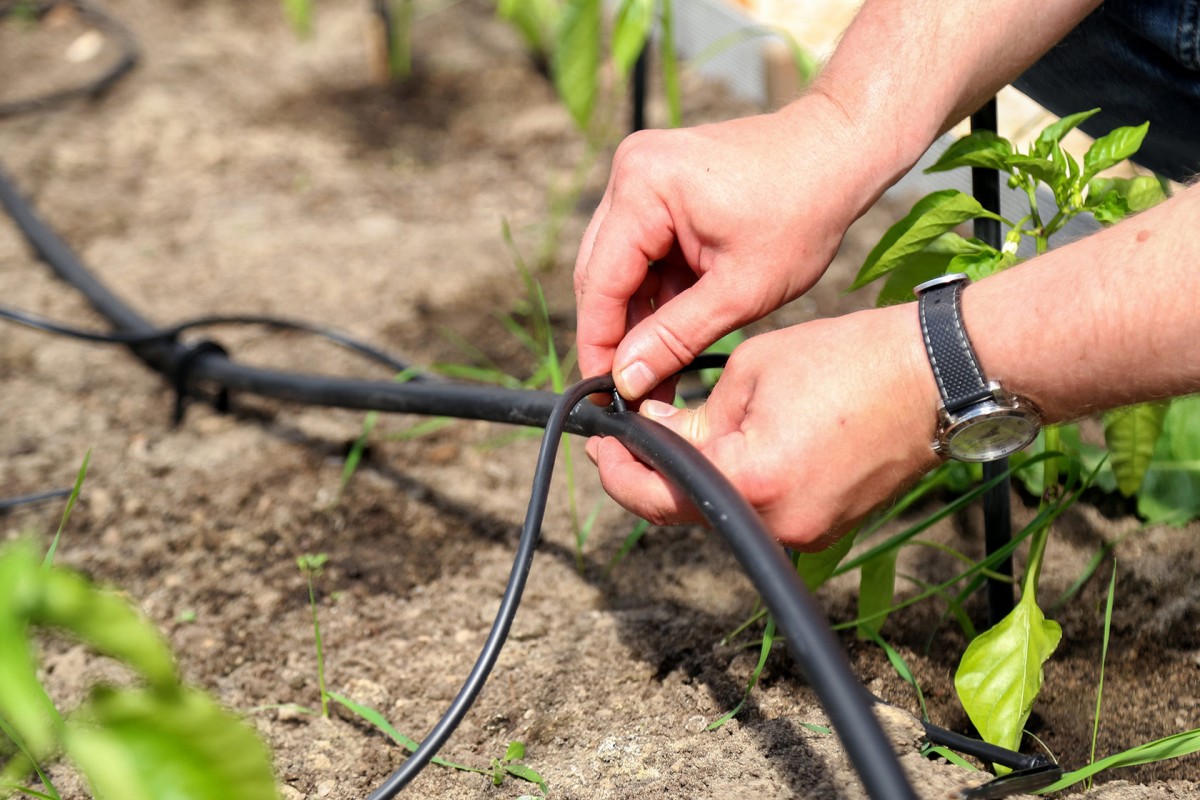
(640, 489)
(691, 424)
(635, 231)
(674, 335)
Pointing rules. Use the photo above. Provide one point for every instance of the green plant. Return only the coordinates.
(392, 19)
(312, 565)
(1000, 674)
(150, 741)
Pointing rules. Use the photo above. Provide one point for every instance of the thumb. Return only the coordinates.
(692, 425)
(672, 336)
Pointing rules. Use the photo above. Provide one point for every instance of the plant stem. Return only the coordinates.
(312, 603)
(1037, 546)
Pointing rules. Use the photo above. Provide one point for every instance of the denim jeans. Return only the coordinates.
(1137, 60)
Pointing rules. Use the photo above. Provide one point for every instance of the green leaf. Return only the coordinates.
(630, 542)
(576, 60)
(79, 478)
(1111, 199)
(1000, 674)
(379, 721)
(1113, 148)
(529, 774)
(916, 269)
(1171, 489)
(764, 651)
(136, 745)
(515, 751)
(1042, 169)
(1131, 435)
(723, 346)
(980, 149)
(1108, 208)
(669, 61)
(630, 32)
(1054, 133)
(978, 266)
(24, 704)
(876, 588)
(1175, 746)
(932, 216)
(815, 568)
(537, 20)
(299, 16)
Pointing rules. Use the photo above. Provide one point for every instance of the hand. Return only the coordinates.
(816, 425)
(703, 230)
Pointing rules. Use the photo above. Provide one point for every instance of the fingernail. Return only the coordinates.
(659, 409)
(638, 379)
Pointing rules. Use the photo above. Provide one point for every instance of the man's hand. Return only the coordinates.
(703, 230)
(815, 425)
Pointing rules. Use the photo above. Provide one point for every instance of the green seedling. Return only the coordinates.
(48, 561)
(311, 565)
(499, 769)
(157, 739)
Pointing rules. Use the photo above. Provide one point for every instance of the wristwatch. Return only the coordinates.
(978, 420)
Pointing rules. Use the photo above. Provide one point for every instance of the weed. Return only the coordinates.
(311, 565)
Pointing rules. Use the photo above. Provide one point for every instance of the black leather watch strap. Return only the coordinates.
(959, 377)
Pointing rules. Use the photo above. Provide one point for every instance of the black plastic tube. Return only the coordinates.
(809, 637)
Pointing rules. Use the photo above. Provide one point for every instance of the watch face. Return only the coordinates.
(987, 438)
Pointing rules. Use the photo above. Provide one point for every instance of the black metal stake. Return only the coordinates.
(997, 512)
(639, 89)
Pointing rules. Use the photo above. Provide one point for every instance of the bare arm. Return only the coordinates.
(1107, 321)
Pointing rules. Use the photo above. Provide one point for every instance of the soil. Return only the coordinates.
(240, 169)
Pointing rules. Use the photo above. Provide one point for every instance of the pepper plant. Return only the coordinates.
(1000, 674)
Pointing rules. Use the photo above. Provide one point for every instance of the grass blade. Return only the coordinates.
(79, 476)
(767, 641)
(375, 718)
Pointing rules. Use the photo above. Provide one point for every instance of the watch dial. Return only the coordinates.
(989, 438)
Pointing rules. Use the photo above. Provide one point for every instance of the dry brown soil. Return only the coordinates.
(239, 169)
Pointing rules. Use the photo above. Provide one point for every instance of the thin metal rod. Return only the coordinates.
(997, 510)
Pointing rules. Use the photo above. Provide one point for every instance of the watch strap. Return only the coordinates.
(960, 379)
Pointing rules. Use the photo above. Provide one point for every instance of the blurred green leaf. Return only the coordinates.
(876, 589)
(1171, 489)
(138, 745)
(630, 31)
(1131, 434)
(816, 568)
(576, 59)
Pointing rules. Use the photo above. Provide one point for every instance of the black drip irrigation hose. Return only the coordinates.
(808, 635)
(7, 504)
(112, 28)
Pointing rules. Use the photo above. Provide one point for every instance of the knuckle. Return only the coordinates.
(677, 345)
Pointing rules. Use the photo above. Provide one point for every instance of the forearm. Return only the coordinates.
(908, 70)
(1107, 321)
